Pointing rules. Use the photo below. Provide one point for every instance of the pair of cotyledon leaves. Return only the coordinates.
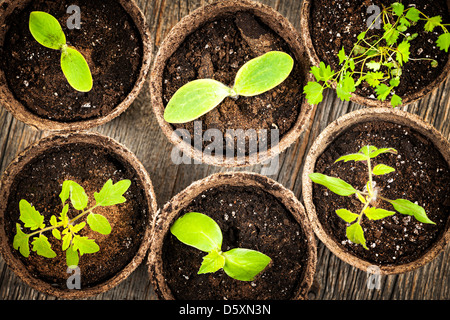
(48, 32)
(255, 77)
(203, 233)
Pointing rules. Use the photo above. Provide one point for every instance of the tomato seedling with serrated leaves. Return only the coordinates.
(369, 196)
(203, 233)
(255, 77)
(73, 244)
(377, 59)
(48, 32)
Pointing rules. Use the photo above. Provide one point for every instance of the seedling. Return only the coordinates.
(48, 32)
(368, 196)
(375, 59)
(255, 77)
(203, 233)
(72, 243)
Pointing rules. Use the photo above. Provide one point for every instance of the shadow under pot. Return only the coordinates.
(112, 38)
(404, 49)
(76, 215)
(252, 212)
(215, 42)
(375, 187)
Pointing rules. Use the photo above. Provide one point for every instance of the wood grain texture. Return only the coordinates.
(138, 129)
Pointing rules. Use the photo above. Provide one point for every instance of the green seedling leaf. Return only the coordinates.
(84, 245)
(346, 87)
(373, 65)
(67, 240)
(46, 30)
(72, 258)
(377, 213)
(194, 99)
(77, 195)
(382, 169)
(20, 242)
(42, 247)
(413, 14)
(212, 262)
(355, 234)
(30, 216)
(314, 92)
(443, 42)
(199, 231)
(347, 215)
(367, 150)
(244, 264)
(323, 72)
(335, 185)
(407, 207)
(398, 8)
(382, 91)
(99, 223)
(403, 52)
(342, 56)
(76, 69)
(373, 78)
(391, 36)
(432, 23)
(263, 73)
(396, 101)
(352, 157)
(377, 152)
(112, 194)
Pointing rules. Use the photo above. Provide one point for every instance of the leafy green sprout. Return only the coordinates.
(48, 32)
(73, 244)
(384, 56)
(255, 77)
(203, 233)
(368, 196)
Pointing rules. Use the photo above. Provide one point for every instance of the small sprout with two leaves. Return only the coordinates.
(73, 244)
(368, 196)
(203, 233)
(48, 32)
(377, 59)
(255, 77)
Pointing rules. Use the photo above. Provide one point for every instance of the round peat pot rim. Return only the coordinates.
(170, 212)
(21, 113)
(305, 19)
(37, 149)
(331, 132)
(186, 26)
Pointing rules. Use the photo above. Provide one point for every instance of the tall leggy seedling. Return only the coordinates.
(368, 196)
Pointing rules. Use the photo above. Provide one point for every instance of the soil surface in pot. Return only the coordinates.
(422, 176)
(249, 218)
(337, 23)
(217, 50)
(108, 39)
(40, 184)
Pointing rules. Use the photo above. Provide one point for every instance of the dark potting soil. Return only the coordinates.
(422, 176)
(249, 218)
(217, 50)
(109, 41)
(90, 166)
(337, 23)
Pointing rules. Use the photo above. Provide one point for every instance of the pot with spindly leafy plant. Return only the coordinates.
(76, 214)
(375, 186)
(232, 236)
(385, 54)
(235, 67)
(59, 75)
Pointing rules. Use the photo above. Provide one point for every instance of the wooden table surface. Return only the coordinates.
(138, 129)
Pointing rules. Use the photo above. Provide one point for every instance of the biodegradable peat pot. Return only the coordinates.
(214, 41)
(89, 159)
(398, 243)
(326, 28)
(115, 42)
(253, 212)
